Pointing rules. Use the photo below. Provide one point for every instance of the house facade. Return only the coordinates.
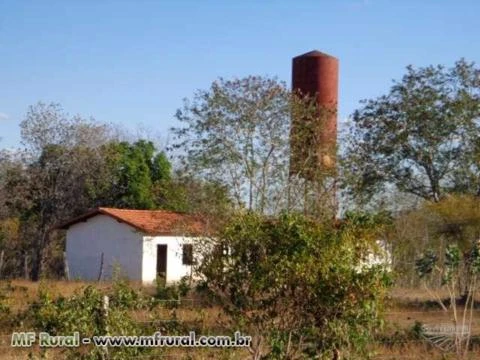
(140, 244)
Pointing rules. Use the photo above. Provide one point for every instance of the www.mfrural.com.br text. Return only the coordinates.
(46, 340)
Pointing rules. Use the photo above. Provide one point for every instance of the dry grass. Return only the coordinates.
(411, 351)
(24, 292)
(405, 308)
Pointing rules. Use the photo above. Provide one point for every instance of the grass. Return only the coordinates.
(405, 308)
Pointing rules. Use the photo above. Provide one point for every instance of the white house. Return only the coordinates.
(141, 243)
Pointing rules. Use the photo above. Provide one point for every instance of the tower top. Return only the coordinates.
(315, 53)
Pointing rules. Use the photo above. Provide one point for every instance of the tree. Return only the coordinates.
(132, 171)
(68, 165)
(49, 124)
(195, 196)
(297, 287)
(61, 156)
(421, 138)
(237, 134)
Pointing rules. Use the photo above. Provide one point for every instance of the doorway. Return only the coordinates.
(162, 262)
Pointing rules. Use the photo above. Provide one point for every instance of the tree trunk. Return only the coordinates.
(38, 256)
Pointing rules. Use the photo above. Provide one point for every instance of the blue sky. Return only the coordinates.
(132, 62)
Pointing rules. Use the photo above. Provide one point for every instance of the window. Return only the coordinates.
(187, 256)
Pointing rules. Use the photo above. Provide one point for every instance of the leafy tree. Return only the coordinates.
(299, 288)
(237, 134)
(51, 189)
(131, 172)
(190, 195)
(421, 138)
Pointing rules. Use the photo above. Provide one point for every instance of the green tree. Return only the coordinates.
(132, 172)
(299, 288)
(421, 138)
(196, 196)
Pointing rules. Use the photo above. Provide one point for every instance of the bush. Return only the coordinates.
(172, 292)
(298, 286)
(84, 312)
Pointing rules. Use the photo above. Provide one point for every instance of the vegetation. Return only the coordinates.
(297, 287)
(237, 134)
(69, 165)
(458, 273)
(280, 265)
(419, 139)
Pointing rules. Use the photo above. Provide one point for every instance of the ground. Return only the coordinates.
(406, 308)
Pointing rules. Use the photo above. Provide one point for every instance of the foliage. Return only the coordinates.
(174, 292)
(47, 179)
(457, 218)
(68, 165)
(189, 195)
(123, 296)
(134, 169)
(298, 287)
(5, 310)
(237, 134)
(450, 270)
(10, 244)
(48, 124)
(421, 138)
(84, 312)
(426, 263)
(428, 230)
(454, 262)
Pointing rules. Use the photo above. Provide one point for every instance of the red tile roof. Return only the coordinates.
(151, 222)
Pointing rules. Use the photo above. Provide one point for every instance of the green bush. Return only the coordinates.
(174, 292)
(299, 288)
(84, 312)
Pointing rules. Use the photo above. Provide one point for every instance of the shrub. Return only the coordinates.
(84, 312)
(298, 287)
(173, 292)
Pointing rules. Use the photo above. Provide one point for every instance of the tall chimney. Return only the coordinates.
(315, 75)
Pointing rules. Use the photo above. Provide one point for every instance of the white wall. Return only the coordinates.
(381, 256)
(175, 268)
(120, 243)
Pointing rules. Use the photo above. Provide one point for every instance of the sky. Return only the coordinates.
(132, 62)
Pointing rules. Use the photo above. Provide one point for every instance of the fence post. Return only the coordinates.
(105, 312)
(105, 305)
(65, 262)
(25, 267)
(100, 272)
(2, 254)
